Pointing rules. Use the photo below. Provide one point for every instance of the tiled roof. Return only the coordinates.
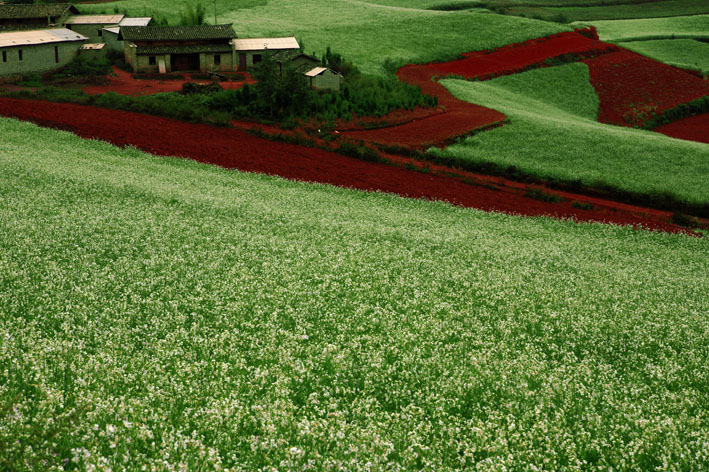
(176, 33)
(8, 12)
(94, 19)
(260, 44)
(182, 49)
(21, 38)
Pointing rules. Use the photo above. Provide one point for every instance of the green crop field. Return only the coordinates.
(159, 314)
(685, 53)
(696, 26)
(366, 34)
(615, 11)
(553, 134)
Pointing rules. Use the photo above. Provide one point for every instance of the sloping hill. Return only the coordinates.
(162, 313)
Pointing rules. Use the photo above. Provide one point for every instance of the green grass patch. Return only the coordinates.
(685, 53)
(553, 134)
(164, 314)
(627, 10)
(696, 26)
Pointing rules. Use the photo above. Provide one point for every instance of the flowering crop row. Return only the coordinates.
(158, 314)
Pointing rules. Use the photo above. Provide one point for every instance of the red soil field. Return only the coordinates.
(631, 87)
(520, 56)
(692, 128)
(235, 149)
(124, 84)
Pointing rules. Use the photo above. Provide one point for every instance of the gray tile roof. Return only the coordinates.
(177, 33)
(9, 12)
(183, 49)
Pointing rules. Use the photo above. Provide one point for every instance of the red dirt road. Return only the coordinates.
(232, 148)
(692, 128)
(124, 84)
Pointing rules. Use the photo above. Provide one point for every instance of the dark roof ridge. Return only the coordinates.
(35, 11)
(157, 33)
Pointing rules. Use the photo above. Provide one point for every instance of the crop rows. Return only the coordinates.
(162, 314)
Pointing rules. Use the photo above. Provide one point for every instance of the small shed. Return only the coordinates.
(322, 78)
(295, 60)
(163, 49)
(250, 51)
(92, 26)
(92, 50)
(27, 52)
(24, 17)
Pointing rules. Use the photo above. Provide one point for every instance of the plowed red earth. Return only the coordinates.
(693, 128)
(125, 84)
(457, 118)
(232, 148)
(520, 56)
(631, 86)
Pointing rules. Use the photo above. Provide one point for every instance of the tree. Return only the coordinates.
(192, 15)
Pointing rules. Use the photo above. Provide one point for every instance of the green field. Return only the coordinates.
(696, 26)
(367, 34)
(553, 134)
(553, 12)
(685, 53)
(161, 313)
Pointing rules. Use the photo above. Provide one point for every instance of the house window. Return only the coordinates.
(56, 54)
(257, 58)
(4, 56)
(151, 60)
(100, 33)
(19, 54)
(217, 59)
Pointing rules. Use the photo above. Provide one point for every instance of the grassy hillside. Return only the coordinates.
(685, 53)
(604, 10)
(696, 26)
(163, 313)
(364, 33)
(552, 133)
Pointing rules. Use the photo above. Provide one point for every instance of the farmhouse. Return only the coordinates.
(92, 26)
(26, 52)
(110, 33)
(322, 78)
(179, 48)
(251, 50)
(23, 17)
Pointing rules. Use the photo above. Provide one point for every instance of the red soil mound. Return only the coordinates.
(236, 149)
(631, 87)
(125, 84)
(693, 128)
(520, 56)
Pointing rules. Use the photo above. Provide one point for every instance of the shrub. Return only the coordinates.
(539, 194)
(82, 65)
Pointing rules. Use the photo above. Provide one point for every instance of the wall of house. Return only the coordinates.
(250, 56)
(37, 58)
(326, 81)
(93, 32)
(111, 40)
(143, 63)
(206, 62)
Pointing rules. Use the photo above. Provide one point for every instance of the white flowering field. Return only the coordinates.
(158, 314)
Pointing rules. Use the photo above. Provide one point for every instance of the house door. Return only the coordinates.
(242, 61)
(185, 61)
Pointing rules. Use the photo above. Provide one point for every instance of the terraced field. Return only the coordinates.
(164, 314)
(693, 26)
(684, 53)
(553, 133)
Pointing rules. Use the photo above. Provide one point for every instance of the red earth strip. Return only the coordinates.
(631, 87)
(519, 56)
(236, 149)
(692, 128)
(123, 83)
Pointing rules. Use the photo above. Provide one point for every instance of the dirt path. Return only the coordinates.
(236, 149)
